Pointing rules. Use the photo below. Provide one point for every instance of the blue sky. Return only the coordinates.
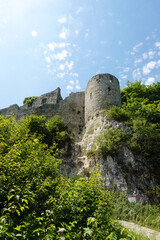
(45, 44)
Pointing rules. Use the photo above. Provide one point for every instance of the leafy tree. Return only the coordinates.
(141, 112)
(36, 202)
(57, 132)
(108, 141)
(29, 100)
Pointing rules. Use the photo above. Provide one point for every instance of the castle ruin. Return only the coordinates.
(81, 112)
(78, 108)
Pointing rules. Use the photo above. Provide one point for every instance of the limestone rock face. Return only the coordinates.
(125, 171)
(82, 113)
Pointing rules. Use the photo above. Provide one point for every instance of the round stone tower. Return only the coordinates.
(102, 92)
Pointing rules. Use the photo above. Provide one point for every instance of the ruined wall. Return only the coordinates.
(53, 97)
(71, 109)
(102, 92)
(11, 110)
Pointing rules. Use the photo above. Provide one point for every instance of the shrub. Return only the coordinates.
(29, 100)
(36, 202)
(108, 141)
(118, 114)
(57, 132)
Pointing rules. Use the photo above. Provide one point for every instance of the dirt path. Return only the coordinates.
(152, 234)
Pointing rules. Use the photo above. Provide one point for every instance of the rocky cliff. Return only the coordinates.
(82, 113)
(125, 171)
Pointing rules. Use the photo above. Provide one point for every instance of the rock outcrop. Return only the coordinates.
(82, 113)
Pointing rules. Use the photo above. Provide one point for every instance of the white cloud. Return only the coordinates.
(76, 32)
(158, 64)
(151, 54)
(148, 67)
(119, 42)
(147, 38)
(74, 74)
(69, 87)
(62, 20)
(63, 34)
(61, 67)
(77, 85)
(71, 82)
(136, 61)
(124, 76)
(48, 60)
(51, 46)
(157, 44)
(61, 75)
(136, 48)
(136, 74)
(58, 58)
(70, 65)
(80, 9)
(87, 33)
(61, 56)
(149, 81)
(34, 33)
(127, 69)
(145, 55)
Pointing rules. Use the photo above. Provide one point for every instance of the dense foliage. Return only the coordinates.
(141, 112)
(29, 100)
(36, 202)
(108, 141)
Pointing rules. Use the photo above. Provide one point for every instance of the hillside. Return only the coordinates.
(38, 154)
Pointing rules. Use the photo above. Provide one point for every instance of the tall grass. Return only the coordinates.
(146, 215)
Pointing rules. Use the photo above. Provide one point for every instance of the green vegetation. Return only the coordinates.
(29, 100)
(108, 141)
(36, 202)
(141, 113)
(146, 215)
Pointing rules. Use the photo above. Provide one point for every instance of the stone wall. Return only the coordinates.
(11, 110)
(78, 108)
(71, 109)
(102, 92)
(53, 97)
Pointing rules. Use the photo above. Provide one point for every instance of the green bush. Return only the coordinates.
(141, 111)
(36, 202)
(57, 133)
(29, 100)
(118, 114)
(109, 140)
